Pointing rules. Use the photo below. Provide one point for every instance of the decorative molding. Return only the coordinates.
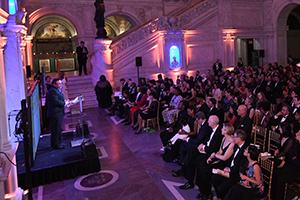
(193, 13)
(3, 16)
(3, 41)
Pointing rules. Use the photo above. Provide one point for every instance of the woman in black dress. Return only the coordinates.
(103, 92)
(216, 160)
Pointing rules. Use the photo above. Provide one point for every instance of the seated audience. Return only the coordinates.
(218, 160)
(287, 171)
(251, 186)
(224, 179)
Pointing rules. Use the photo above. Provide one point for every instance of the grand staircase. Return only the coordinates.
(82, 85)
(139, 40)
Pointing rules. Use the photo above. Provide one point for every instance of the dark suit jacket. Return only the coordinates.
(239, 161)
(202, 135)
(81, 56)
(55, 102)
(277, 122)
(244, 124)
(204, 108)
(213, 111)
(215, 142)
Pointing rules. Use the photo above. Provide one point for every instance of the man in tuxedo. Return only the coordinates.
(203, 151)
(283, 117)
(223, 180)
(82, 53)
(55, 104)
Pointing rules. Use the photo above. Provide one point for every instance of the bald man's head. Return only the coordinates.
(242, 110)
(213, 121)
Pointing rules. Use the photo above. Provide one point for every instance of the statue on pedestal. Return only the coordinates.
(99, 19)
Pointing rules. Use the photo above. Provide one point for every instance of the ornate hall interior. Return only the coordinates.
(139, 81)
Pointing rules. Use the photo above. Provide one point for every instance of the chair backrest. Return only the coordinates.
(267, 167)
(260, 137)
(273, 141)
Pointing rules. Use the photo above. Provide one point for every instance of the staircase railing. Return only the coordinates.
(174, 21)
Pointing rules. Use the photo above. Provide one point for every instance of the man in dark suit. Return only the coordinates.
(277, 86)
(243, 121)
(223, 180)
(217, 67)
(55, 105)
(202, 133)
(82, 53)
(204, 150)
(202, 106)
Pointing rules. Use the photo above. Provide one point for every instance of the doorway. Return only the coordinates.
(249, 51)
(54, 40)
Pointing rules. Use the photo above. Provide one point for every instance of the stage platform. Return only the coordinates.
(57, 165)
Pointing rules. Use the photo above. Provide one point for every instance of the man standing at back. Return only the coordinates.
(82, 53)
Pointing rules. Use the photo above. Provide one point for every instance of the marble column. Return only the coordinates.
(4, 137)
(101, 60)
(14, 72)
(23, 52)
(29, 54)
(8, 177)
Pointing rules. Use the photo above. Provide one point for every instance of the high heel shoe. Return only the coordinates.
(138, 132)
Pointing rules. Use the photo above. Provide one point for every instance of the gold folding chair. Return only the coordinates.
(155, 121)
(292, 190)
(273, 141)
(260, 137)
(267, 167)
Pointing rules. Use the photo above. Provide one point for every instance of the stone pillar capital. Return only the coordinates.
(12, 27)
(28, 39)
(3, 41)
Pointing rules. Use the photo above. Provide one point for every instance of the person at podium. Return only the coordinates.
(55, 105)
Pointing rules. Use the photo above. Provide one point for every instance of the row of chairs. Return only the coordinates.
(267, 140)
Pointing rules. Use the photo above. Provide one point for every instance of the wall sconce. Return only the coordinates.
(228, 37)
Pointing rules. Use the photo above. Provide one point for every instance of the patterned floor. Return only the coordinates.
(132, 167)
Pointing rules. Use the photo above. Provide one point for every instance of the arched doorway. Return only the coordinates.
(116, 25)
(54, 44)
(293, 36)
(288, 33)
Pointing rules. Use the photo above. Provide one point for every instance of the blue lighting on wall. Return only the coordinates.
(12, 7)
(174, 57)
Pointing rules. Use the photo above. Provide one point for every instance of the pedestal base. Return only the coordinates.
(101, 60)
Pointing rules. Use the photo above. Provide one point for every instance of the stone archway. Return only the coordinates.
(281, 30)
(118, 23)
(54, 39)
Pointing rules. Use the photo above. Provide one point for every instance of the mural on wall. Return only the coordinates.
(117, 24)
(52, 30)
(174, 57)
